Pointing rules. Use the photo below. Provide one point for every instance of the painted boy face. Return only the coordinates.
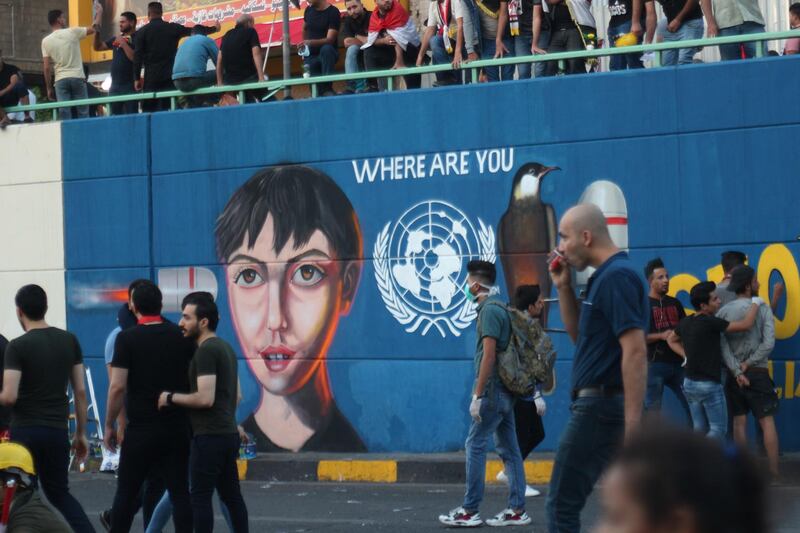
(285, 306)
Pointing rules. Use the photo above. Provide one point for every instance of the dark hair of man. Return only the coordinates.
(483, 270)
(155, 9)
(744, 278)
(701, 293)
(651, 266)
(795, 9)
(53, 16)
(32, 301)
(301, 201)
(204, 307)
(525, 296)
(136, 283)
(718, 483)
(732, 259)
(130, 16)
(147, 299)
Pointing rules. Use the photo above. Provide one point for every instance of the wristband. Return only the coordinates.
(169, 398)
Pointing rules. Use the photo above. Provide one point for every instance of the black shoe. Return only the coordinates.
(105, 519)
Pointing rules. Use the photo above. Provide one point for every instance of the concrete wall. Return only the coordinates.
(23, 25)
(431, 177)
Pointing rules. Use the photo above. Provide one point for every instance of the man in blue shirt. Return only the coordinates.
(491, 409)
(608, 329)
(190, 71)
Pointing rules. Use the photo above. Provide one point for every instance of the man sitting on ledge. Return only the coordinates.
(393, 41)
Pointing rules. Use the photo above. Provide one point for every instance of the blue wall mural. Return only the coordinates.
(340, 279)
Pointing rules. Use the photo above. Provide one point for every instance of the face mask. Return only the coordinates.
(468, 293)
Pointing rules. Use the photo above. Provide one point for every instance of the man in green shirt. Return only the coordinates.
(213, 382)
(38, 367)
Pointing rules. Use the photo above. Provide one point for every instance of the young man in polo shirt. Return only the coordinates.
(38, 367)
(491, 409)
(608, 329)
(121, 62)
(213, 382)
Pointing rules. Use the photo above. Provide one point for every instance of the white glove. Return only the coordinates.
(475, 408)
(541, 405)
(758, 300)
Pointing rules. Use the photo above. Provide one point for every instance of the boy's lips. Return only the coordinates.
(276, 358)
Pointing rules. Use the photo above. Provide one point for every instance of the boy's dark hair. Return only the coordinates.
(731, 259)
(136, 283)
(701, 293)
(132, 18)
(53, 15)
(525, 296)
(301, 201)
(741, 278)
(718, 483)
(795, 9)
(32, 301)
(155, 8)
(204, 307)
(483, 270)
(650, 267)
(147, 299)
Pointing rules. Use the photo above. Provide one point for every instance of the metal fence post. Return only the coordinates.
(390, 83)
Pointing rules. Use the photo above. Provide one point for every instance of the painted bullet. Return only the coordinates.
(611, 200)
(176, 283)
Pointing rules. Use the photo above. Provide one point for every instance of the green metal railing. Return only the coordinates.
(274, 86)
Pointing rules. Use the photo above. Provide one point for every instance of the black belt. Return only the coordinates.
(597, 391)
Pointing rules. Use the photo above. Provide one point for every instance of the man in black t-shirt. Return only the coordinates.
(697, 339)
(121, 62)
(38, 367)
(663, 365)
(148, 358)
(214, 386)
(155, 47)
(239, 59)
(571, 24)
(12, 90)
(684, 22)
(321, 22)
(630, 16)
(355, 28)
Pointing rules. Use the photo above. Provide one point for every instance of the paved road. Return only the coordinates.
(340, 508)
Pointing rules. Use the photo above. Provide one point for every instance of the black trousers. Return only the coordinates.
(153, 452)
(156, 85)
(213, 466)
(530, 430)
(382, 58)
(50, 450)
(567, 40)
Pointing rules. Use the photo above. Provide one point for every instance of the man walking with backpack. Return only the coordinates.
(491, 408)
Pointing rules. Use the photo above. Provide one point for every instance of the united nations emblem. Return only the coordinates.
(420, 266)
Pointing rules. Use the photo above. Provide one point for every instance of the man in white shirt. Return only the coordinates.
(61, 51)
(733, 17)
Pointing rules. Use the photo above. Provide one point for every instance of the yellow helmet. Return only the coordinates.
(628, 39)
(16, 458)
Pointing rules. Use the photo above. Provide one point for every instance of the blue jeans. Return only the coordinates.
(734, 51)
(71, 89)
(691, 29)
(497, 417)
(591, 437)
(353, 63)
(522, 47)
(489, 49)
(708, 407)
(441, 57)
(163, 512)
(660, 375)
(625, 61)
(323, 63)
(540, 69)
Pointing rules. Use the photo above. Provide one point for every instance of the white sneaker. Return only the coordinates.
(509, 518)
(502, 477)
(458, 517)
(530, 492)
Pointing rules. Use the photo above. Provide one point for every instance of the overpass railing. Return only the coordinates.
(271, 87)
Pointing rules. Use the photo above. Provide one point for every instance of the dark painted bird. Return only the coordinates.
(527, 233)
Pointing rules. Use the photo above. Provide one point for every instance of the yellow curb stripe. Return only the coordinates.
(536, 472)
(370, 471)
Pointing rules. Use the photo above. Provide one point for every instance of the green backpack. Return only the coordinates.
(529, 357)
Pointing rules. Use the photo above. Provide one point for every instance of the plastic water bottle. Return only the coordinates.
(303, 51)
